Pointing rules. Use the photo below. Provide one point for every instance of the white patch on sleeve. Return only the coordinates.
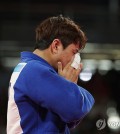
(13, 117)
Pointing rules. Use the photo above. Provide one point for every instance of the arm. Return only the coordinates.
(87, 105)
(49, 90)
(72, 74)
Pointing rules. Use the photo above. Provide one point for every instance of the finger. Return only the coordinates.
(59, 67)
(76, 74)
(78, 71)
(70, 72)
(81, 66)
(75, 81)
(74, 78)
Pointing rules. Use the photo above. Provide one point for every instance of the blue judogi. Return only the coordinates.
(43, 102)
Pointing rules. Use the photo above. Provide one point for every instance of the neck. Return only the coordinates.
(44, 54)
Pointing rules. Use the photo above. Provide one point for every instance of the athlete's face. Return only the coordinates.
(59, 54)
(67, 54)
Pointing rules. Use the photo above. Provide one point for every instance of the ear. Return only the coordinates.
(56, 46)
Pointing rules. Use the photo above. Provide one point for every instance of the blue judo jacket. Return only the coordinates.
(43, 102)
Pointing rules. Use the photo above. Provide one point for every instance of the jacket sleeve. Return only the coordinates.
(88, 105)
(51, 91)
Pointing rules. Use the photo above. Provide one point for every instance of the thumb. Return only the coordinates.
(59, 67)
(81, 66)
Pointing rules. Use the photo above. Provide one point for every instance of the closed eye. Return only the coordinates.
(75, 51)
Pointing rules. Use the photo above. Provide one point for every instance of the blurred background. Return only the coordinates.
(100, 19)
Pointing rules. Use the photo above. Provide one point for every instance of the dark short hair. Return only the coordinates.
(59, 27)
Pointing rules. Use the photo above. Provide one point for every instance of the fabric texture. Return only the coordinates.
(41, 101)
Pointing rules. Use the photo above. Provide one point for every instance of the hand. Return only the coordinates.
(69, 72)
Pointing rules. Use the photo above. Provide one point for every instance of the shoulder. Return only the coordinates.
(37, 67)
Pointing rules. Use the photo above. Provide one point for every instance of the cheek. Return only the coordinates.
(65, 59)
